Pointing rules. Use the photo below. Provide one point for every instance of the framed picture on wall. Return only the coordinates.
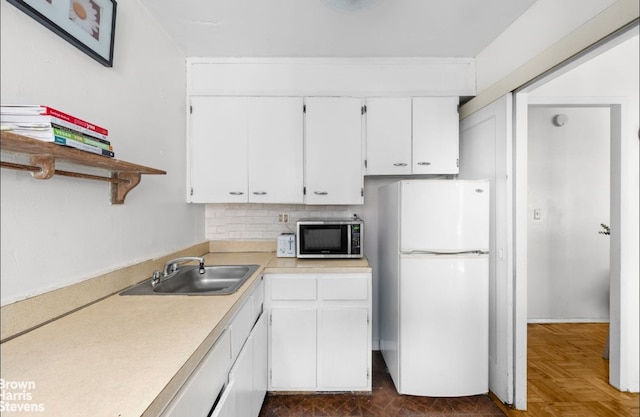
(89, 25)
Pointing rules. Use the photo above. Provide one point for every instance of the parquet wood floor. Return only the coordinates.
(567, 375)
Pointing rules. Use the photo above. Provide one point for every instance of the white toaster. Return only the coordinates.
(286, 246)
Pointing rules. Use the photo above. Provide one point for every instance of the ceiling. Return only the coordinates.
(335, 28)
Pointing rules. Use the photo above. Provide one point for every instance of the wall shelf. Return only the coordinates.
(124, 176)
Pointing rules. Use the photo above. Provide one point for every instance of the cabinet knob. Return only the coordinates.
(320, 192)
(424, 163)
(399, 164)
(236, 192)
(259, 192)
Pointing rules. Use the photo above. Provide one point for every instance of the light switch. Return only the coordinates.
(537, 214)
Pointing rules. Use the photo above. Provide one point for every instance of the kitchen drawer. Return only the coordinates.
(293, 288)
(344, 287)
(241, 327)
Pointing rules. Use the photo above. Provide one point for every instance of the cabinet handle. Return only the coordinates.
(236, 192)
(399, 164)
(320, 192)
(424, 163)
(259, 192)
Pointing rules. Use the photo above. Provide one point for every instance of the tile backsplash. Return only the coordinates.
(235, 221)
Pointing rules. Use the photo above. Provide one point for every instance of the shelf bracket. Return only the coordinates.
(127, 181)
(47, 165)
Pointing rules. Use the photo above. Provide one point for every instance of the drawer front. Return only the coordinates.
(293, 288)
(241, 327)
(344, 287)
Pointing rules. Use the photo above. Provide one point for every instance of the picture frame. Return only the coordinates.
(89, 25)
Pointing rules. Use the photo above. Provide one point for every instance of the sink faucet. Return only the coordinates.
(172, 265)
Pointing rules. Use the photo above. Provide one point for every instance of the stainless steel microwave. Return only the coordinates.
(329, 238)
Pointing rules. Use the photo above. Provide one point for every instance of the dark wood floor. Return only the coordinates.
(383, 401)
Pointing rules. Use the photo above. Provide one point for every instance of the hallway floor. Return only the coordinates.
(383, 401)
(567, 375)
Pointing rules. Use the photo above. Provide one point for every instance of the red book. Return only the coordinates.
(72, 119)
(25, 111)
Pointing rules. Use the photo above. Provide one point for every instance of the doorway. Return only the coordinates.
(598, 80)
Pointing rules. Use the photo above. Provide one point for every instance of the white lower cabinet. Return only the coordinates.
(319, 331)
(343, 342)
(293, 348)
(234, 371)
(247, 385)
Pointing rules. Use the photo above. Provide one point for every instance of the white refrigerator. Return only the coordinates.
(434, 286)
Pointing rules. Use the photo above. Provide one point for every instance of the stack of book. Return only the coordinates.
(51, 125)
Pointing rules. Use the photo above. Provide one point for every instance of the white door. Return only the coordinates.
(485, 153)
(343, 356)
(444, 325)
(444, 216)
(333, 150)
(218, 150)
(293, 348)
(275, 149)
(435, 135)
(388, 136)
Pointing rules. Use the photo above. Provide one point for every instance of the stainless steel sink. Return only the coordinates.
(187, 280)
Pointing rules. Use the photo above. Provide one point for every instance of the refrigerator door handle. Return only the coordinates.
(427, 252)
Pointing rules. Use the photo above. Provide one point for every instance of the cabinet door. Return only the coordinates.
(198, 394)
(260, 365)
(218, 150)
(293, 348)
(435, 135)
(275, 149)
(333, 150)
(343, 348)
(388, 136)
(241, 376)
(226, 407)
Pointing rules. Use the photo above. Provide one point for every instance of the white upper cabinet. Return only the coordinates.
(388, 133)
(218, 150)
(407, 136)
(333, 150)
(246, 149)
(435, 135)
(275, 149)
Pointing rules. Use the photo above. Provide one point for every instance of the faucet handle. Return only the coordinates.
(155, 278)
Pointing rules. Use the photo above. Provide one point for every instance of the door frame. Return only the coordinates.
(617, 107)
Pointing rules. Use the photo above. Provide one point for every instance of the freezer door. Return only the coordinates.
(444, 325)
(444, 216)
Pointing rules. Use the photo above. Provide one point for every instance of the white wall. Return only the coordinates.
(568, 261)
(59, 231)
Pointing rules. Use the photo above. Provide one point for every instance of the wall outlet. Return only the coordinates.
(283, 218)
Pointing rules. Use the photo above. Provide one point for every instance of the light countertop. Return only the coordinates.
(129, 355)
